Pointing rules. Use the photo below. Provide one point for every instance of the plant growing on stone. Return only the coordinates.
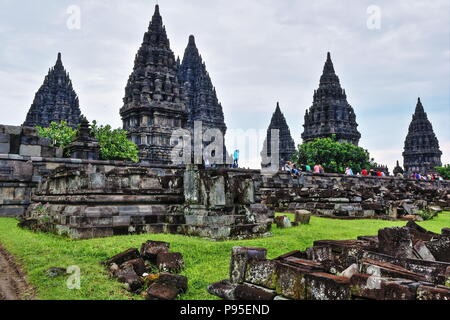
(114, 143)
(59, 133)
(334, 156)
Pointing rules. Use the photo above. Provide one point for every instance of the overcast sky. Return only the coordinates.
(258, 52)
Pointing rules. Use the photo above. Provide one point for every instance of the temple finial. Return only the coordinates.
(192, 40)
(59, 64)
(329, 67)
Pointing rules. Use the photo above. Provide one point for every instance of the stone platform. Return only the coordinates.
(97, 200)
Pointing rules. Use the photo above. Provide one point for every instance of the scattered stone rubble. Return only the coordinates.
(152, 271)
(354, 197)
(408, 263)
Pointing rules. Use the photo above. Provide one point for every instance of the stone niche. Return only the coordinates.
(91, 201)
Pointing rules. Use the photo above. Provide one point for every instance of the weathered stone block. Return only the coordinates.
(151, 249)
(240, 258)
(396, 242)
(248, 292)
(180, 283)
(129, 276)
(290, 281)
(223, 289)
(161, 291)
(30, 150)
(123, 257)
(322, 286)
(283, 222)
(261, 273)
(433, 293)
(137, 265)
(170, 262)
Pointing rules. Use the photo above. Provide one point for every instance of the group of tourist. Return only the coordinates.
(295, 170)
(426, 177)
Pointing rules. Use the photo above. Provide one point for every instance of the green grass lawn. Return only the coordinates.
(206, 261)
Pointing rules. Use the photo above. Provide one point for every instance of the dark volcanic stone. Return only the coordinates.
(395, 242)
(180, 283)
(154, 103)
(422, 153)
(440, 248)
(239, 259)
(251, 293)
(151, 249)
(55, 100)
(223, 289)
(202, 101)
(433, 293)
(170, 262)
(138, 266)
(129, 276)
(330, 113)
(123, 257)
(286, 145)
(161, 291)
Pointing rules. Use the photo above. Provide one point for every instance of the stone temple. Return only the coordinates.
(55, 101)
(422, 153)
(202, 101)
(154, 104)
(330, 113)
(286, 143)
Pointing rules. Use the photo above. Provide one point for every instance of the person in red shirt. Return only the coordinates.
(365, 173)
(379, 174)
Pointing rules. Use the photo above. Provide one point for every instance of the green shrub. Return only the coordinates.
(444, 171)
(114, 144)
(334, 156)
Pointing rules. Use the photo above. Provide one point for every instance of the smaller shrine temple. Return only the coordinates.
(422, 152)
(55, 101)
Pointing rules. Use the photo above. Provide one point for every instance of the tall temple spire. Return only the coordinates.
(330, 113)
(286, 143)
(422, 152)
(55, 100)
(154, 104)
(202, 100)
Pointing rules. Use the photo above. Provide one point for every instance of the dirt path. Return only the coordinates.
(13, 285)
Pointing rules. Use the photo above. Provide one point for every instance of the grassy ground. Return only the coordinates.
(206, 261)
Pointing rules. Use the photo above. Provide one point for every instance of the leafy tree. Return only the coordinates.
(334, 156)
(444, 171)
(60, 134)
(114, 144)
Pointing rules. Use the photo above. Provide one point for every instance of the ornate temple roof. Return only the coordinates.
(422, 152)
(330, 113)
(202, 97)
(286, 143)
(55, 100)
(154, 104)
